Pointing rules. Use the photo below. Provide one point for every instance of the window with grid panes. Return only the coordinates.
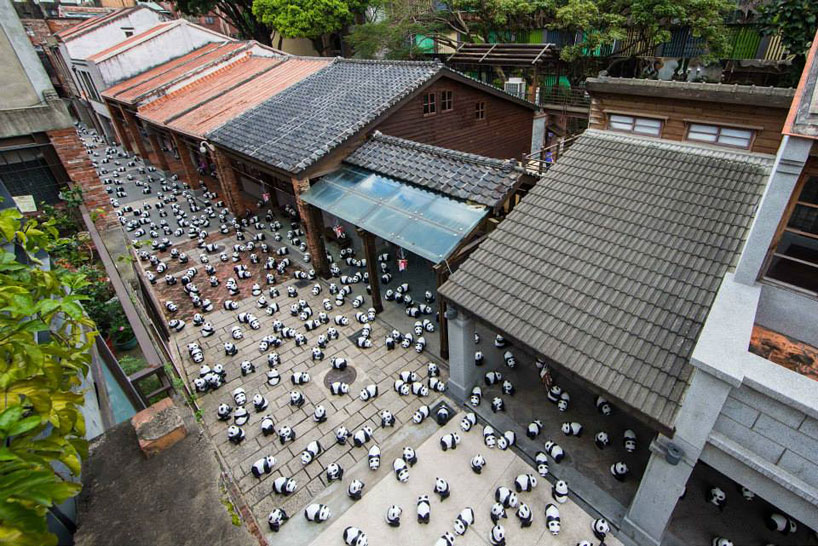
(720, 136)
(634, 124)
(429, 104)
(795, 258)
(480, 110)
(446, 101)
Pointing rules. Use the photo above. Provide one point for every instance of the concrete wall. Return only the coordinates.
(23, 80)
(112, 33)
(788, 312)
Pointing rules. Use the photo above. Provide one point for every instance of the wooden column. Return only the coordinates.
(157, 149)
(313, 224)
(441, 275)
(121, 133)
(229, 183)
(133, 126)
(191, 174)
(372, 268)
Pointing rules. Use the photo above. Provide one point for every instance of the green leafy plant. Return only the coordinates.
(119, 329)
(40, 419)
(237, 13)
(795, 21)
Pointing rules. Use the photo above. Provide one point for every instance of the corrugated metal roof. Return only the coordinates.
(205, 88)
(610, 264)
(132, 89)
(127, 43)
(221, 109)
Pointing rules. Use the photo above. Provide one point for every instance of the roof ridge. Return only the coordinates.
(504, 164)
(390, 61)
(491, 86)
(747, 158)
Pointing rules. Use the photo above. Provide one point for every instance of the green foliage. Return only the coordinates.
(307, 18)
(40, 419)
(238, 13)
(119, 329)
(794, 20)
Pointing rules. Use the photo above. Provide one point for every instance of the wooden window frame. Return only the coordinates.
(446, 93)
(719, 128)
(635, 118)
(429, 102)
(480, 110)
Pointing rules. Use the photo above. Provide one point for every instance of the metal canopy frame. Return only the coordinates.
(510, 54)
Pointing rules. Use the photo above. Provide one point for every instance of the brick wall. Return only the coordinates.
(78, 165)
(781, 435)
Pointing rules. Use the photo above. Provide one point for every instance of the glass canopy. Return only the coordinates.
(426, 223)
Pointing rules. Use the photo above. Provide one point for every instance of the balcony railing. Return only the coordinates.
(563, 97)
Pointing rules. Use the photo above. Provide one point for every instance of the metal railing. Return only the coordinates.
(540, 161)
(563, 97)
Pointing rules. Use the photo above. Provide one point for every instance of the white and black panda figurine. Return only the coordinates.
(489, 439)
(552, 518)
(478, 358)
(721, 541)
(420, 415)
(572, 428)
(629, 441)
(554, 451)
(541, 459)
(355, 490)
(362, 436)
(603, 406)
(260, 403)
(601, 440)
(424, 509)
(374, 458)
(334, 472)
(559, 491)
(600, 527)
(781, 523)
(241, 416)
(312, 451)
(338, 363)
(715, 496)
(525, 482)
(497, 404)
(554, 394)
(562, 404)
(497, 536)
(619, 470)
(401, 470)
(355, 537)
(342, 434)
(463, 521)
(506, 497)
(524, 515)
(338, 388)
(449, 441)
(230, 349)
(747, 494)
(300, 378)
(263, 466)
(235, 434)
(296, 399)
(273, 378)
(284, 486)
(432, 370)
(317, 353)
(276, 519)
(239, 396)
(498, 512)
(442, 488)
(286, 434)
(410, 456)
(442, 415)
(267, 425)
(492, 378)
(387, 419)
(223, 412)
(476, 396)
(508, 388)
(393, 515)
(534, 429)
(437, 385)
(317, 513)
(468, 421)
(319, 414)
(508, 439)
(509, 359)
(247, 368)
(369, 392)
(446, 539)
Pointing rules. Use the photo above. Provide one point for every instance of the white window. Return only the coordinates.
(633, 124)
(722, 136)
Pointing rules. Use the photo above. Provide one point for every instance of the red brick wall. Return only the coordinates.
(77, 164)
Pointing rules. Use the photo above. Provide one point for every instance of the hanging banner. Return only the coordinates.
(265, 197)
(339, 231)
(403, 263)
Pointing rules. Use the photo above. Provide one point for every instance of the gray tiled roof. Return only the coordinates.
(611, 262)
(468, 177)
(298, 126)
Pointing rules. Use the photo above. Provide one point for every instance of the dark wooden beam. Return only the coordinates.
(372, 268)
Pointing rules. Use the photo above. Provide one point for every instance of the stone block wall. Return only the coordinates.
(78, 165)
(782, 436)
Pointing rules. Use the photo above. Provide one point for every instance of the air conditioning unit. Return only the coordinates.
(516, 87)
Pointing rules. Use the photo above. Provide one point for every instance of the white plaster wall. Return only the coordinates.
(108, 35)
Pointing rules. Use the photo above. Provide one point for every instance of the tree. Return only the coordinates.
(312, 19)
(238, 13)
(41, 427)
(796, 22)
